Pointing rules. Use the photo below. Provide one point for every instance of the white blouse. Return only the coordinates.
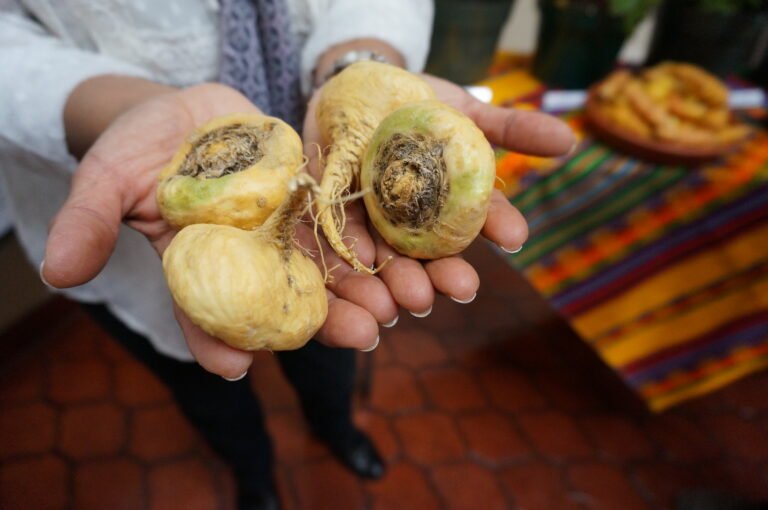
(47, 47)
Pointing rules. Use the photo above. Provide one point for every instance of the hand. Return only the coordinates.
(413, 283)
(116, 183)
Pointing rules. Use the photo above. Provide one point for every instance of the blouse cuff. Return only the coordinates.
(406, 25)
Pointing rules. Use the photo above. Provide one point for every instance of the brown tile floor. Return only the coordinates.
(489, 405)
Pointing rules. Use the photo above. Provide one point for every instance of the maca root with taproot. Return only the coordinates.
(252, 289)
(236, 190)
(351, 106)
(425, 171)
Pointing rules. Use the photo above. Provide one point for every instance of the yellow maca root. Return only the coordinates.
(233, 170)
(252, 289)
(350, 108)
(431, 171)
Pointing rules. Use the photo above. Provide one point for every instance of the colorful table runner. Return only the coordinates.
(663, 270)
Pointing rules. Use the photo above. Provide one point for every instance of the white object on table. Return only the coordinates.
(564, 100)
(482, 93)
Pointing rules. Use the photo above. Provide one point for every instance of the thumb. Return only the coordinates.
(83, 234)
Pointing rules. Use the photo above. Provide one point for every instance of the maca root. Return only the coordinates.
(226, 150)
(411, 182)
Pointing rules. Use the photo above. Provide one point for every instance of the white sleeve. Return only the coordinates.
(404, 24)
(38, 74)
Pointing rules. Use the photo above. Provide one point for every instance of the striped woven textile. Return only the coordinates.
(663, 270)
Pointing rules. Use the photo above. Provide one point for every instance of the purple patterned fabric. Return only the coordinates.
(260, 56)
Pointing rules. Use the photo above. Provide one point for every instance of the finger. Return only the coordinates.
(84, 232)
(348, 325)
(364, 290)
(356, 234)
(505, 225)
(454, 277)
(367, 291)
(313, 144)
(529, 132)
(212, 354)
(406, 279)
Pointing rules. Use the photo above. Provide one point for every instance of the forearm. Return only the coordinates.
(96, 102)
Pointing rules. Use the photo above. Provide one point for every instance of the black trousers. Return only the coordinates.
(228, 414)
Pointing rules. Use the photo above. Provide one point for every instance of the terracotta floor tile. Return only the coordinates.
(38, 483)
(161, 433)
(555, 435)
(415, 347)
(113, 351)
(747, 479)
(472, 349)
(492, 313)
(380, 430)
(664, 482)
(452, 389)
(745, 394)
(537, 486)
(429, 438)
(682, 438)
(446, 316)
(605, 487)
(467, 486)
(617, 437)
(292, 439)
(186, 484)
(326, 484)
(404, 487)
(528, 350)
(26, 429)
(284, 490)
(383, 355)
(77, 341)
(499, 278)
(78, 381)
(92, 430)
(511, 390)
(135, 385)
(23, 382)
(114, 484)
(740, 437)
(270, 385)
(493, 438)
(569, 391)
(395, 390)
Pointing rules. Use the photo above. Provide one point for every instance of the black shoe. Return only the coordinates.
(262, 498)
(359, 455)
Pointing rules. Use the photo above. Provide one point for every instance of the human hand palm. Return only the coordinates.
(116, 181)
(413, 283)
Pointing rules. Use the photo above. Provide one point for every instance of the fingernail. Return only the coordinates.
(369, 349)
(392, 322)
(573, 148)
(512, 251)
(465, 301)
(233, 379)
(422, 314)
(42, 278)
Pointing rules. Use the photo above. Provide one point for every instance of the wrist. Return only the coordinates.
(336, 57)
(96, 102)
